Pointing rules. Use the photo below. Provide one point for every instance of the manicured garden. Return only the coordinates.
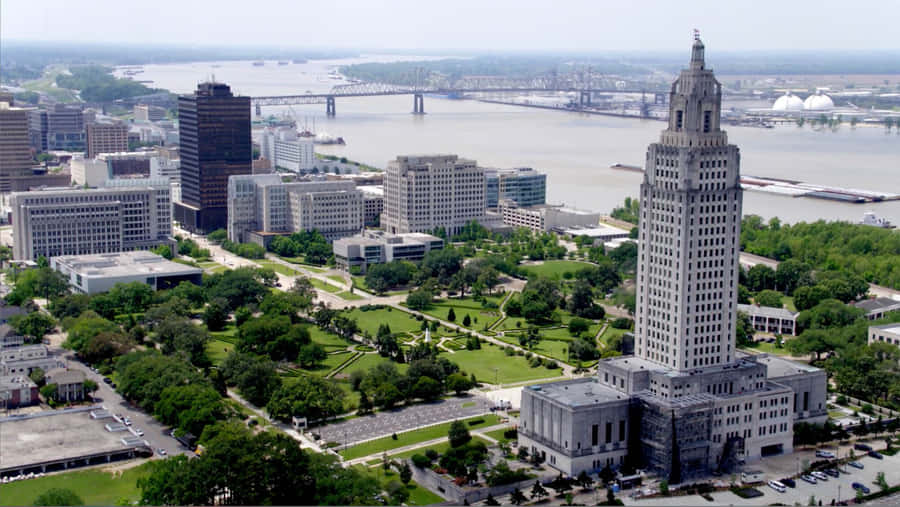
(349, 296)
(398, 320)
(387, 443)
(555, 269)
(327, 287)
(278, 267)
(369, 361)
(509, 369)
(417, 494)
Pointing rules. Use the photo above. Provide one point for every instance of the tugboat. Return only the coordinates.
(869, 218)
(259, 63)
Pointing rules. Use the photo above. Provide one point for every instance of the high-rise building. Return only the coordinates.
(262, 206)
(286, 150)
(686, 403)
(522, 185)
(424, 192)
(146, 113)
(65, 128)
(91, 221)
(214, 132)
(106, 138)
(39, 130)
(15, 150)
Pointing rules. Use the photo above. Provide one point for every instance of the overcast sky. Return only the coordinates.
(585, 25)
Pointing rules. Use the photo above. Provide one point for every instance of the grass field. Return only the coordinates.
(556, 349)
(440, 448)
(337, 278)
(611, 333)
(327, 287)
(331, 362)
(277, 267)
(349, 296)
(417, 494)
(229, 334)
(461, 307)
(509, 368)
(360, 281)
(300, 261)
(369, 361)
(554, 268)
(327, 339)
(768, 348)
(498, 435)
(95, 487)
(400, 321)
(381, 445)
(218, 350)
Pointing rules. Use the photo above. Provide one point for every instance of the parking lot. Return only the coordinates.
(823, 490)
(402, 419)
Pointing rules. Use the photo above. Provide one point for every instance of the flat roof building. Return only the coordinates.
(15, 149)
(599, 234)
(287, 150)
(546, 217)
(522, 185)
(90, 274)
(373, 204)
(771, 320)
(105, 138)
(261, 205)
(377, 247)
(25, 359)
(57, 222)
(17, 391)
(147, 113)
(887, 333)
(878, 307)
(424, 192)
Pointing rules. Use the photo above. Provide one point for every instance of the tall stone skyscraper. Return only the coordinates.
(690, 227)
(686, 403)
(214, 132)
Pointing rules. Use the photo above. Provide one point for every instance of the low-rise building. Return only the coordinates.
(522, 185)
(599, 234)
(878, 307)
(91, 274)
(373, 204)
(9, 337)
(261, 206)
(377, 247)
(771, 320)
(17, 391)
(546, 217)
(286, 150)
(8, 311)
(106, 138)
(887, 333)
(147, 113)
(69, 384)
(25, 359)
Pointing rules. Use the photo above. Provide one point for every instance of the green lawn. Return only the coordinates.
(95, 487)
(498, 435)
(611, 333)
(349, 296)
(337, 278)
(360, 281)
(387, 443)
(277, 267)
(327, 287)
(300, 261)
(417, 494)
(788, 303)
(556, 349)
(398, 320)
(461, 307)
(554, 268)
(509, 368)
(327, 339)
(768, 348)
(368, 361)
(218, 350)
(331, 362)
(229, 334)
(440, 448)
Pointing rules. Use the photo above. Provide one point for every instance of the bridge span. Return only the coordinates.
(418, 93)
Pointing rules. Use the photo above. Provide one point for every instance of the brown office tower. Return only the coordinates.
(106, 138)
(15, 151)
(214, 131)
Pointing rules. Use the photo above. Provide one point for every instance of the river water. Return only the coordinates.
(574, 149)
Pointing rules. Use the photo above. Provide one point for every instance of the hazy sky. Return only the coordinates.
(587, 25)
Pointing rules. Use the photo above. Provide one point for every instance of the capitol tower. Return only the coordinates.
(690, 227)
(687, 403)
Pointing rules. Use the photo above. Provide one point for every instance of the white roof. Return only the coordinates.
(818, 102)
(598, 231)
(788, 102)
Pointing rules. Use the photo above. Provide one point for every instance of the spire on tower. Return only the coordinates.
(697, 51)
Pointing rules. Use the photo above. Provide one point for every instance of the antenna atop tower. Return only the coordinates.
(696, 34)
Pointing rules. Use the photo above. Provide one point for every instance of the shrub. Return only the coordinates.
(420, 461)
(621, 323)
(431, 454)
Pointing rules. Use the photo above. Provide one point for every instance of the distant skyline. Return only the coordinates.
(484, 25)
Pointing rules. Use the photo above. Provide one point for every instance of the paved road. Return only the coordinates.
(385, 423)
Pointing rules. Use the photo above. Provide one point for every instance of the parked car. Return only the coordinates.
(777, 486)
(856, 464)
(107, 380)
(819, 475)
(832, 472)
(791, 483)
(161, 451)
(139, 432)
(126, 421)
(860, 487)
(876, 455)
(825, 454)
(862, 447)
(808, 478)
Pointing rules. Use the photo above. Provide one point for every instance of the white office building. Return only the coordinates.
(261, 205)
(286, 150)
(68, 221)
(423, 192)
(686, 403)
(545, 217)
(91, 274)
(373, 204)
(377, 247)
(886, 333)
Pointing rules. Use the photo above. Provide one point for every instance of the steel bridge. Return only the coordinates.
(418, 93)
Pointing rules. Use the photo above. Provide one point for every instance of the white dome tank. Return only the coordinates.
(788, 102)
(818, 102)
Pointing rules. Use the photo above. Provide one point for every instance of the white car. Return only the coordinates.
(825, 454)
(138, 432)
(127, 421)
(161, 451)
(819, 475)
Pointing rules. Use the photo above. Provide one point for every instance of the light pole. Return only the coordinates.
(497, 377)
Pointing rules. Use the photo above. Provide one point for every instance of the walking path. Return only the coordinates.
(305, 442)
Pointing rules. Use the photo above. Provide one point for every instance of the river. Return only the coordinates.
(575, 150)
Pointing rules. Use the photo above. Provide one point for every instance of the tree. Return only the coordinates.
(560, 484)
(516, 497)
(584, 480)
(451, 315)
(743, 330)
(345, 326)
(365, 404)
(37, 376)
(106, 346)
(419, 299)
(215, 315)
(760, 277)
(387, 395)
(467, 321)
(311, 354)
(255, 377)
(256, 334)
(405, 473)
(538, 491)
(577, 326)
(217, 236)
(581, 302)
(791, 274)
(310, 397)
(58, 496)
(769, 298)
(33, 325)
(744, 295)
(288, 304)
(427, 388)
(190, 407)
(459, 383)
(48, 392)
(458, 434)
(490, 500)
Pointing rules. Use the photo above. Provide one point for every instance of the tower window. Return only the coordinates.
(707, 117)
(679, 119)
